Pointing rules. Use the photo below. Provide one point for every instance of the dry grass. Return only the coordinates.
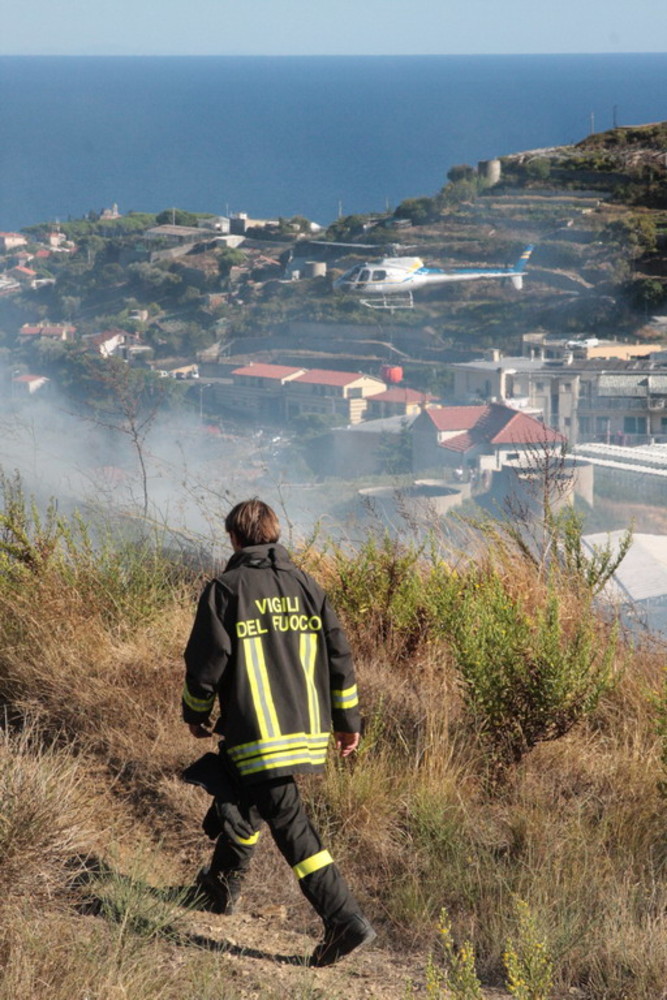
(92, 749)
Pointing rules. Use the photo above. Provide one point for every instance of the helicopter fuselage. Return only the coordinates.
(401, 275)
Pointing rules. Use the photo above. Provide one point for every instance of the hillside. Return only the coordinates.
(596, 213)
(510, 780)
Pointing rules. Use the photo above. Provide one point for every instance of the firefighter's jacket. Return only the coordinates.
(266, 641)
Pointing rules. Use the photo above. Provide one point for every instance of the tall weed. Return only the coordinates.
(46, 814)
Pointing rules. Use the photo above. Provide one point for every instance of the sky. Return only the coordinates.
(331, 27)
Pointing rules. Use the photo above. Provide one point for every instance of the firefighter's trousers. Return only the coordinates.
(277, 802)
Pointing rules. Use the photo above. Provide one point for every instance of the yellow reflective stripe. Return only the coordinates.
(197, 704)
(246, 840)
(261, 689)
(345, 699)
(307, 655)
(287, 742)
(314, 758)
(312, 864)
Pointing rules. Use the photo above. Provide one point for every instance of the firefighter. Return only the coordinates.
(267, 643)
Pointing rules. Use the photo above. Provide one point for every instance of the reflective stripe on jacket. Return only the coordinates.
(266, 641)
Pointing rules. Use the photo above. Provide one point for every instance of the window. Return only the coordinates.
(634, 425)
(379, 275)
(365, 275)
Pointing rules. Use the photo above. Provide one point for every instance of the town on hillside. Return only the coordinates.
(455, 390)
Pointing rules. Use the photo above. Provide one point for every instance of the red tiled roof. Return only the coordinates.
(462, 442)
(493, 424)
(267, 371)
(30, 378)
(456, 418)
(526, 430)
(46, 329)
(324, 376)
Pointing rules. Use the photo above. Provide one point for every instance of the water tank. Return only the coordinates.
(391, 373)
(489, 170)
(314, 269)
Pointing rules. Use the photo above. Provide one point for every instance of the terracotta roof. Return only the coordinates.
(46, 329)
(524, 429)
(267, 371)
(493, 424)
(30, 378)
(456, 418)
(325, 376)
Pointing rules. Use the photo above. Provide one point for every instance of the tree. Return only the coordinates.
(647, 293)
(347, 227)
(538, 169)
(129, 405)
(462, 172)
(395, 452)
(176, 217)
(637, 233)
(418, 210)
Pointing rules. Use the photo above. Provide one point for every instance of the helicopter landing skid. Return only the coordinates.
(390, 303)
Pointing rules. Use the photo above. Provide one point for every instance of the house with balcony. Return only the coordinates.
(596, 399)
(624, 407)
(343, 395)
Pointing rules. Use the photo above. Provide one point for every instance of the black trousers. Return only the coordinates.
(277, 803)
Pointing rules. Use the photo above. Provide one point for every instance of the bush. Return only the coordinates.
(527, 676)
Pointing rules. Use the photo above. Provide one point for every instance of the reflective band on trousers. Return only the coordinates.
(312, 864)
(246, 840)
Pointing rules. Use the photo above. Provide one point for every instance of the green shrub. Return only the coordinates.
(389, 592)
(527, 676)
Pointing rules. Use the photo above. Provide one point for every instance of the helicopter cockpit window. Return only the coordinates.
(352, 275)
(379, 275)
(365, 275)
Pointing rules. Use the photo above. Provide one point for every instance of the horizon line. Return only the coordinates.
(317, 55)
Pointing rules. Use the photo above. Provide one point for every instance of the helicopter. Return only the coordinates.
(389, 283)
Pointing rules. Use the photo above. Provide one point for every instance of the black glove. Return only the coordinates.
(232, 822)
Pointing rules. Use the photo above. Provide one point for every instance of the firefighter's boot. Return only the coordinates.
(218, 892)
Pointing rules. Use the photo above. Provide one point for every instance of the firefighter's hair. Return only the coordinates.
(253, 522)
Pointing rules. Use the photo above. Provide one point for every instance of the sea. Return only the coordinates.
(282, 136)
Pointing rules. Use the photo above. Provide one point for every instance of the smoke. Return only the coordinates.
(192, 473)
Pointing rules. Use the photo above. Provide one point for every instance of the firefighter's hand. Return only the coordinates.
(199, 730)
(346, 743)
(233, 823)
